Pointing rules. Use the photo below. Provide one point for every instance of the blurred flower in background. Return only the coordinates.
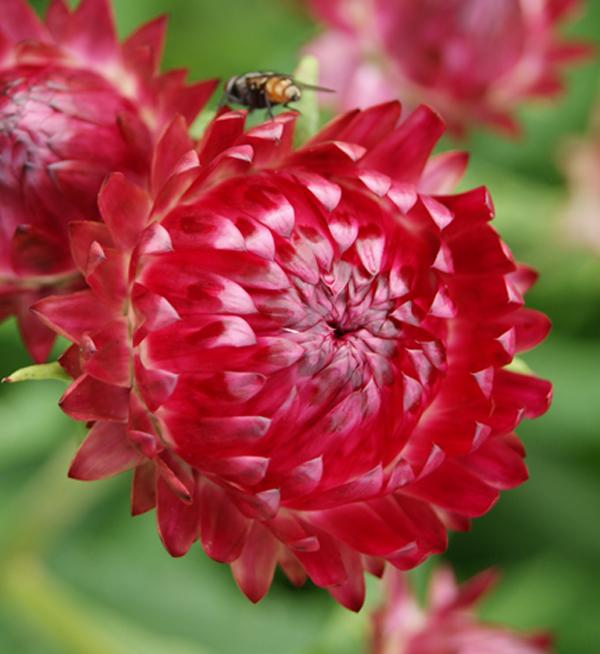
(580, 160)
(319, 340)
(448, 623)
(74, 106)
(474, 61)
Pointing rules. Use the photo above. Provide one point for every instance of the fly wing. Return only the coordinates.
(312, 87)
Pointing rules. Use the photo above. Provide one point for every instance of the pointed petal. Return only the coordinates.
(57, 18)
(177, 521)
(253, 570)
(82, 234)
(373, 125)
(188, 101)
(37, 337)
(405, 152)
(155, 386)
(222, 133)
(20, 23)
(443, 172)
(91, 32)
(223, 528)
(90, 399)
(498, 463)
(451, 486)
(105, 452)
(143, 489)
(351, 593)
(125, 208)
(171, 147)
(73, 315)
(148, 38)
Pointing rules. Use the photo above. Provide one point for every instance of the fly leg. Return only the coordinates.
(269, 107)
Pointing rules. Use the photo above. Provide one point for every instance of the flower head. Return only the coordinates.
(301, 353)
(449, 623)
(74, 105)
(475, 61)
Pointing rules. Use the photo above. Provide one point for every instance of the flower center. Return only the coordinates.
(339, 331)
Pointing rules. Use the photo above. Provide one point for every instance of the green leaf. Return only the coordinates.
(307, 124)
(39, 372)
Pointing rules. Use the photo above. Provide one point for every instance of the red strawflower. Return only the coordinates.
(74, 105)
(301, 353)
(449, 623)
(475, 61)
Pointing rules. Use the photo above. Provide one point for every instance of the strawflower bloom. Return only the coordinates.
(75, 104)
(301, 352)
(580, 161)
(475, 61)
(448, 624)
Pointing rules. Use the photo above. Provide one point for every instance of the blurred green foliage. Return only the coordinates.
(78, 576)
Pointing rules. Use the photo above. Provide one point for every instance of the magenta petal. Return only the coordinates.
(217, 433)
(325, 565)
(253, 570)
(223, 529)
(532, 327)
(443, 172)
(73, 315)
(105, 452)
(189, 100)
(361, 528)
(221, 134)
(37, 251)
(403, 155)
(451, 486)
(38, 339)
(155, 386)
(351, 593)
(172, 146)
(177, 521)
(90, 399)
(82, 235)
(303, 479)
(498, 463)
(373, 125)
(530, 393)
(125, 209)
(19, 22)
(242, 470)
(108, 355)
(360, 488)
(263, 505)
(332, 130)
(91, 31)
(143, 489)
(148, 38)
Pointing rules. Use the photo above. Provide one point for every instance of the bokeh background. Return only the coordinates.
(78, 576)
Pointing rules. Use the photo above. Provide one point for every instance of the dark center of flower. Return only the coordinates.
(338, 330)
